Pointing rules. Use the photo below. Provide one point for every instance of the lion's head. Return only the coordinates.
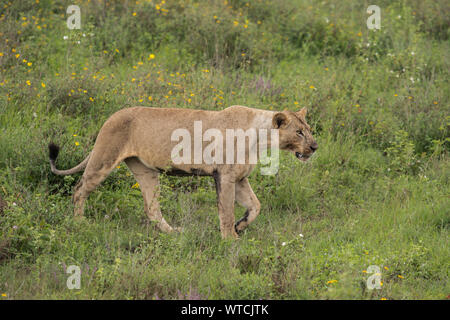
(295, 134)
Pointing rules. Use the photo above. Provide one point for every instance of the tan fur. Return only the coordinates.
(141, 137)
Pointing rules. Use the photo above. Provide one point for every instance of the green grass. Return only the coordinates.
(376, 192)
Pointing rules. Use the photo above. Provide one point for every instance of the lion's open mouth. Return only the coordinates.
(301, 156)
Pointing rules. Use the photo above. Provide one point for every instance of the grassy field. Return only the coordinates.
(376, 192)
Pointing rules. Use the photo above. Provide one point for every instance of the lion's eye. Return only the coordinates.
(300, 133)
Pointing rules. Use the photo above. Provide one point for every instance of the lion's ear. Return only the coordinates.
(279, 120)
(302, 113)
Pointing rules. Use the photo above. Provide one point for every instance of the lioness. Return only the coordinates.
(142, 137)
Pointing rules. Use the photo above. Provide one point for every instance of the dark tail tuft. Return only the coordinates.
(53, 151)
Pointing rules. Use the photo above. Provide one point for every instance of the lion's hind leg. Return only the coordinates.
(95, 173)
(148, 180)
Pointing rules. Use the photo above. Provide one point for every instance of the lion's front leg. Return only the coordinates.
(225, 202)
(246, 198)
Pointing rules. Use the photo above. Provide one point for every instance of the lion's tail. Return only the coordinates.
(53, 154)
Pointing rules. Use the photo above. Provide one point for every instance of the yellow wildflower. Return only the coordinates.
(135, 186)
(332, 281)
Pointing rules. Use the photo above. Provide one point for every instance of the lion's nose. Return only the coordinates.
(314, 146)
